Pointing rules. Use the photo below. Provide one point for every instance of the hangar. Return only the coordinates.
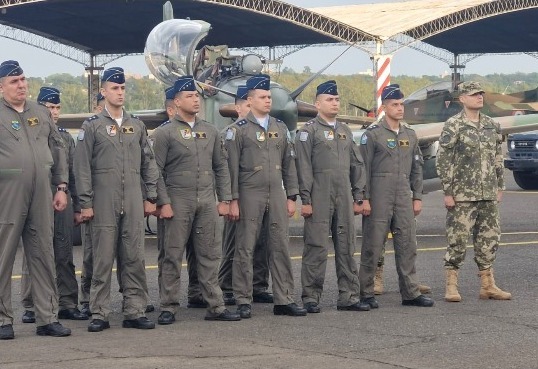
(95, 32)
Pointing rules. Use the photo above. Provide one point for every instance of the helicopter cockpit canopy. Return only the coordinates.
(170, 48)
(435, 89)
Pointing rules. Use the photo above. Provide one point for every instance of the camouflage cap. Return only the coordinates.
(469, 88)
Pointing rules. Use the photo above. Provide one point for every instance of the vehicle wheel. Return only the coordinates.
(526, 180)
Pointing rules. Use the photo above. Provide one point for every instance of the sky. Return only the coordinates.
(39, 63)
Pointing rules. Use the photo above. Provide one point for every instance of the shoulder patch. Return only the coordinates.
(80, 135)
(303, 136)
(372, 126)
(364, 139)
(242, 122)
(230, 134)
(62, 129)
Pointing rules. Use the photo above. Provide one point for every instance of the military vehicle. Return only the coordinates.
(523, 159)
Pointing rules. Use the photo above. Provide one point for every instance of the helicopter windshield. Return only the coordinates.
(434, 89)
(170, 48)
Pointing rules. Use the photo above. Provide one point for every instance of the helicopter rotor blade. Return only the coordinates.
(301, 88)
(360, 108)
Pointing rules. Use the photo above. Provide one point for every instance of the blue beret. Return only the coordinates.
(49, 94)
(259, 82)
(10, 68)
(170, 93)
(328, 88)
(242, 92)
(184, 83)
(99, 97)
(392, 92)
(114, 74)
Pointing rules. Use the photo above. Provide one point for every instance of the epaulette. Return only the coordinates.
(134, 116)
(310, 122)
(164, 123)
(406, 125)
(372, 126)
(241, 122)
(278, 120)
(62, 129)
(93, 117)
(42, 103)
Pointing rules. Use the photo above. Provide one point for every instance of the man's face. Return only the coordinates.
(54, 110)
(14, 89)
(394, 109)
(242, 108)
(188, 102)
(114, 93)
(474, 101)
(260, 101)
(328, 105)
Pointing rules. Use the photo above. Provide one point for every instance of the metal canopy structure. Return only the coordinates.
(118, 27)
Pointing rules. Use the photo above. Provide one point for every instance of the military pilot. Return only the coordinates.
(112, 154)
(31, 151)
(192, 161)
(392, 199)
(329, 172)
(261, 161)
(64, 222)
(470, 166)
(260, 279)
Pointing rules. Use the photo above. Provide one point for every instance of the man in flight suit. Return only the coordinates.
(31, 151)
(261, 160)
(64, 222)
(260, 280)
(112, 154)
(329, 180)
(192, 161)
(392, 199)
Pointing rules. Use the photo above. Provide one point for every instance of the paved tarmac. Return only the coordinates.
(471, 334)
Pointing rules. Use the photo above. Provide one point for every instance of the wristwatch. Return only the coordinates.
(292, 198)
(62, 188)
(152, 200)
(359, 201)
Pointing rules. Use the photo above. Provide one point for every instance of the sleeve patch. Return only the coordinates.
(364, 139)
(230, 134)
(303, 136)
(80, 135)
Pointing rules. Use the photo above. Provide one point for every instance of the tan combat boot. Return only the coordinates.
(488, 289)
(424, 289)
(452, 294)
(378, 281)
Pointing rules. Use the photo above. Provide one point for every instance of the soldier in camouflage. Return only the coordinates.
(470, 166)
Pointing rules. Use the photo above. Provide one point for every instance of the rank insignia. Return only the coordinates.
(273, 134)
(186, 133)
(403, 143)
(342, 136)
(127, 129)
(391, 143)
(200, 134)
(329, 135)
(230, 134)
(303, 136)
(260, 136)
(80, 135)
(15, 125)
(111, 130)
(364, 139)
(33, 121)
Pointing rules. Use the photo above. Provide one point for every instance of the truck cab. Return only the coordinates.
(522, 159)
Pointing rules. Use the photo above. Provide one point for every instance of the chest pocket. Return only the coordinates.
(489, 137)
(468, 141)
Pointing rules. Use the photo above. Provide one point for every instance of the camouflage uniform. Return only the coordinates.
(393, 174)
(329, 169)
(470, 166)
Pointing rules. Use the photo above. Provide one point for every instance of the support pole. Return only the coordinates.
(93, 82)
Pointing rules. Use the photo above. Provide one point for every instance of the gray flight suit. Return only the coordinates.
(109, 161)
(32, 156)
(329, 173)
(193, 165)
(260, 278)
(263, 174)
(470, 166)
(63, 242)
(393, 175)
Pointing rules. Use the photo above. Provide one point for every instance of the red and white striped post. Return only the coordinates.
(382, 77)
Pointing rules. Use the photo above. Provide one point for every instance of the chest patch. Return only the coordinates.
(342, 136)
(185, 133)
(33, 121)
(391, 143)
(111, 130)
(403, 143)
(127, 129)
(329, 135)
(200, 134)
(273, 134)
(15, 124)
(260, 136)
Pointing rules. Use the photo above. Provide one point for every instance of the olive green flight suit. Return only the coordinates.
(329, 170)
(109, 161)
(62, 242)
(393, 175)
(193, 165)
(30, 146)
(260, 277)
(261, 162)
